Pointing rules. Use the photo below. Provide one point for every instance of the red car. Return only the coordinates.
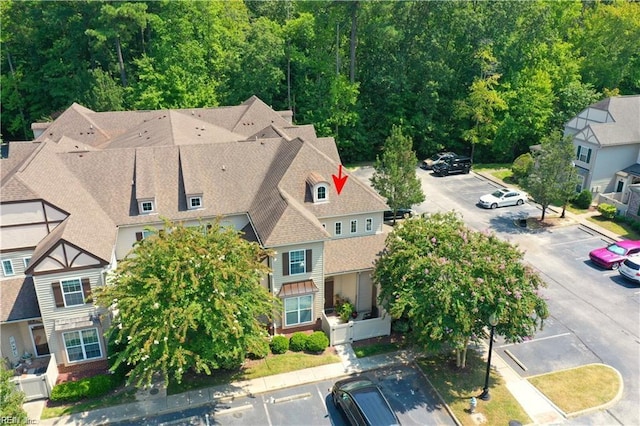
(612, 256)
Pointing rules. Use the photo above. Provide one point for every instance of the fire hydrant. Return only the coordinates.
(472, 404)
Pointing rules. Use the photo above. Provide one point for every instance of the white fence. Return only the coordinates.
(38, 386)
(353, 331)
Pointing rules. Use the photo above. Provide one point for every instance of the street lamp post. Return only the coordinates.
(493, 321)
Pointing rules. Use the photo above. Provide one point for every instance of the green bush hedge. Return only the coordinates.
(298, 341)
(583, 199)
(90, 387)
(317, 342)
(260, 350)
(522, 166)
(279, 344)
(607, 210)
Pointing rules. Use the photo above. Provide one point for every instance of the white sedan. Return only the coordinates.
(503, 197)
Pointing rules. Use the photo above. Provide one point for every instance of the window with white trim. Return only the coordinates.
(146, 206)
(26, 261)
(195, 202)
(338, 228)
(368, 224)
(297, 262)
(72, 292)
(354, 226)
(321, 193)
(583, 154)
(82, 344)
(7, 268)
(298, 310)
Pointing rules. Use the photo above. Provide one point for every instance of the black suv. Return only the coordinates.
(457, 164)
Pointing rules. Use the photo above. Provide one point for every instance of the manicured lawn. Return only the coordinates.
(457, 386)
(376, 349)
(121, 396)
(253, 369)
(579, 388)
(622, 229)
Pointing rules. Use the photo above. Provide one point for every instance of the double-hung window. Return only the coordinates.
(338, 228)
(583, 154)
(82, 344)
(297, 262)
(7, 268)
(354, 226)
(368, 224)
(298, 310)
(72, 292)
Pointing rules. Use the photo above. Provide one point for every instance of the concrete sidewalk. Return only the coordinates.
(541, 411)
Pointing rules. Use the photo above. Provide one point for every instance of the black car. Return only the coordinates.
(436, 159)
(400, 214)
(456, 164)
(363, 403)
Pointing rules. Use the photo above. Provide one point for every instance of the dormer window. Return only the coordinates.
(321, 193)
(194, 202)
(146, 207)
(319, 187)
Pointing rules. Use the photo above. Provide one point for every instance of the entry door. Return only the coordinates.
(39, 340)
(328, 294)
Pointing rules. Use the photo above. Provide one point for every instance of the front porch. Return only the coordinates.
(35, 377)
(366, 325)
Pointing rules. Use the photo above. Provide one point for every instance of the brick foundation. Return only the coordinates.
(71, 373)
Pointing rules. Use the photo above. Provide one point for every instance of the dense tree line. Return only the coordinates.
(492, 77)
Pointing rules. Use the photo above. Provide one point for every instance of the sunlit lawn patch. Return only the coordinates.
(457, 386)
(579, 388)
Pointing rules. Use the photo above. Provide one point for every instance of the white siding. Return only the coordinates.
(127, 234)
(346, 224)
(50, 313)
(17, 260)
(316, 274)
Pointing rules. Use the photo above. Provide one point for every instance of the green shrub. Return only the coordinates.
(279, 344)
(317, 342)
(583, 199)
(345, 311)
(607, 210)
(522, 166)
(90, 387)
(400, 326)
(259, 350)
(298, 341)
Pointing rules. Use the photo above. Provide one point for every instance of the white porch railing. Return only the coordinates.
(354, 330)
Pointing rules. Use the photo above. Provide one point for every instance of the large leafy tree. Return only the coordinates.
(446, 280)
(11, 399)
(395, 172)
(187, 298)
(553, 178)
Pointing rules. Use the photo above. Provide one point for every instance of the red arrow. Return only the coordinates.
(339, 180)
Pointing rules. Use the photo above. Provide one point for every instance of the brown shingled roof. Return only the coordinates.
(340, 255)
(19, 301)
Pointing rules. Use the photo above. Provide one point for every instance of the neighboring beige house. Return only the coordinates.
(75, 200)
(607, 140)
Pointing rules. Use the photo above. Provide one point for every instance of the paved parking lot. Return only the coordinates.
(311, 404)
(595, 314)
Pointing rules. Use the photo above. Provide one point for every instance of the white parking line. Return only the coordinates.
(536, 340)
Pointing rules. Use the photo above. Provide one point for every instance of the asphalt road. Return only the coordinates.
(311, 404)
(595, 315)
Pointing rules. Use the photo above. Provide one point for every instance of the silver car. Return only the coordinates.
(630, 269)
(503, 197)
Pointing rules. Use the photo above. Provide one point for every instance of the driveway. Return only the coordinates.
(595, 315)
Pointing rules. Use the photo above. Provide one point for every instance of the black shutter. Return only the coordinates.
(589, 155)
(285, 264)
(307, 258)
(57, 294)
(86, 289)
(578, 153)
(138, 236)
